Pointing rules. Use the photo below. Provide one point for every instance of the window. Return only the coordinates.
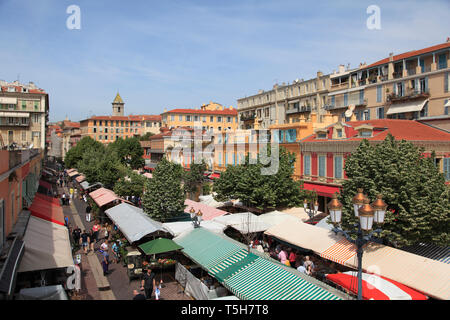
(172, 117)
(442, 61)
(339, 133)
(219, 119)
(219, 128)
(228, 119)
(226, 159)
(95, 122)
(379, 93)
(100, 123)
(24, 105)
(345, 99)
(321, 135)
(423, 82)
(203, 119)
(188, 118)
(322, 160)
(95, 130)
(365, 133)
(338, 167)
(220, 159)
(366, 115)
(36, 105)
(447, 169)
(211, 119)
(24, 135)
(106, 130)
(446, 107)
(424, 111)
(380, 113)
(291, 135)
(307, 165)
(195, 118)
(36, 118)
(333, 101)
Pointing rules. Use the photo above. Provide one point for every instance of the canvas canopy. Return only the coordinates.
(80, 178)
(244, 222)
(85, 185)
(274, 218)
(133, 222)
(420, 273)
(43, 293)
(159, 245)
(209, 201)
(410, 106)
(46, 208)
(208, 212)
(103, 196)
(179, 227)
(73, 173)
(47, 246)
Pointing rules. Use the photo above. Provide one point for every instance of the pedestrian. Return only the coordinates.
(66, 221)
(63, 199)
(138, 296)
(115, 251)
(292, 257)
(148, 283)
(96, 229)
(71, 193)
(308, 263)
(104, 247)
(85, 239)
(105, 264)
(76, 234)
(92, 240)
(88, 213)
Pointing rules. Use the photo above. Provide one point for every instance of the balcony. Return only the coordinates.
(410, 94)
(298, 109)
(14, 122)
(248, 117)
(339, 86)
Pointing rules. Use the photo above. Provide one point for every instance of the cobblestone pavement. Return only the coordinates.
(117, 282)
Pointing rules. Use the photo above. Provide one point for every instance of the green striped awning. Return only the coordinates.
(264, 280)
(247, 275)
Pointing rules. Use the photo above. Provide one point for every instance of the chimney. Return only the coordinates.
(391, 56)
(448, 39)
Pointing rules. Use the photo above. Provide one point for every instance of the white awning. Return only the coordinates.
(15, 114)
(133, 222)
(7, 100)
(47, 246)
(294, 101)
(410, 106)
(447, 104)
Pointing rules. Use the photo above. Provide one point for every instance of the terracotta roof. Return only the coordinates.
(232, 112)
(67, 123)
(127, 118)
(145, 144)
(401, 129)
(411, 54)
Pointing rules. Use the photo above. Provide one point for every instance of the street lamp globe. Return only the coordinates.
(305, 204)
(192, 212)
(358, 201)
(199, 216)
(316, 206)
(366, 213)
(379, 207)
(335, 208)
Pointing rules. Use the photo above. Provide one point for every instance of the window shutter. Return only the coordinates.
(416, 85)
(395, 88)
(426, 84)
(447, 75)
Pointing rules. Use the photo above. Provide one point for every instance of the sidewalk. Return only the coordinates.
(116, 285)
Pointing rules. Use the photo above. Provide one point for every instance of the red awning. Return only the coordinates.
(375, 287)
(47, 210)
(47, 198)
(45, 184)
(325, 191)
(215, 176)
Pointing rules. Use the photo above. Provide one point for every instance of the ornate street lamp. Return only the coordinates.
(311, 208)
(367, 214)
(196, 217)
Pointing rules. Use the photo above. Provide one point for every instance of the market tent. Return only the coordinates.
(44, 208)
(244, 222)
(80, 178)
(180, 227)
(274, 218)
(71, 170)
(45, 184)
(133, 222)
(208, 212)
(159, 245)
(48, 198)
(422, 274)
(324, 224)
(103, 196)
(209, 201)
(375, 287)
(43, 293)
(85, 185)
(47, 246)
(430, 251)
(298, 212)
(245, 274)
(73, 173)
(147, 175)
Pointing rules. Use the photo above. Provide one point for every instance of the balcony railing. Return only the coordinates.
(248, 117)
(410, 94)
(298, 109)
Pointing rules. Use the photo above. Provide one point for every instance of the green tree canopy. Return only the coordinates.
(130, 185)
(75, 154)
(146, 137)
(264, 192)
(411, 185)
(164, 196)
(129, 152)
(193, 178)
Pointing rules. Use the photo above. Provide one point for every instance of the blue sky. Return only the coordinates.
(181, 54)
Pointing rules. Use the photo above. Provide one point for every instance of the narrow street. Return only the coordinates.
(116, 285)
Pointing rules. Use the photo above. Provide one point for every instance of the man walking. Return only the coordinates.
(85, 241)
(148, 283)
(88, 213)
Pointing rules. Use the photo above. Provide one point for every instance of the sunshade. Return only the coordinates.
(47, 246)
(159, 245)
(420, 273)
(80, 178)
(274, 218)
(246, 275)
(375, 287)
(133, 222)
(244, 222)
(430, 251)
(103, 196)
(147, 175)
(180, 227)
(44, 208)
(84, 185)
(208, 213)
(56, 292)
(73, 173)
(71, 170)
(298, 212)
(45, 184)
(410, 106)
(209, 201)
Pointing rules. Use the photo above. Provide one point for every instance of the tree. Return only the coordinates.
(131, 185)
(418, 199)
(193, 179)
(75, 154)
(247, 183)
(146, 137)
(101, 166)
(129, 152)
(164, 196)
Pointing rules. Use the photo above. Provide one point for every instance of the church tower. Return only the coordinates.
(118, 106)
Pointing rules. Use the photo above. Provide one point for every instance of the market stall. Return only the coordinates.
(157, 247)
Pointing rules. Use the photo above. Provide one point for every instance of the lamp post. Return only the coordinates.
(367, 214)
(196, 217)
(311, 208)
